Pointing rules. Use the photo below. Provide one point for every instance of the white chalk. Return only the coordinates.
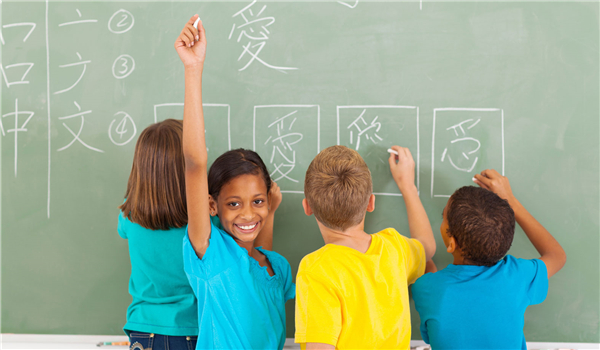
(474, 179)
(196, 23)
(392, 151)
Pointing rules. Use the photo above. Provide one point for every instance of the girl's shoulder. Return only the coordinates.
(275, 259)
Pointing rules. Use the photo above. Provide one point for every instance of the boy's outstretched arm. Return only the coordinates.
(265, 237)
(552, 254)
(191, 48)
(403, 172)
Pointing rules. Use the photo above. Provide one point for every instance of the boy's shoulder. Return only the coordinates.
(508, 267)
(316, 258)
(391, 235)
(392, 239)
(432, 279)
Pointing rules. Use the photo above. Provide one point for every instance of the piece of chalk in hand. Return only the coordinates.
(392, 151)
(474, 179)
(196, 23)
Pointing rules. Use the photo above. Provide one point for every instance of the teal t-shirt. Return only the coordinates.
(163, 301)
(479, 307)
(239, 305)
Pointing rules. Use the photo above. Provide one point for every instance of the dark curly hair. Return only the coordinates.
(482, 224)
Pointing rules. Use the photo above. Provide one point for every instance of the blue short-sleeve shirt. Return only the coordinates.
(479, 307)
(239, 305)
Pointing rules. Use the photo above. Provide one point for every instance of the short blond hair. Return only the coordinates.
(338, 187)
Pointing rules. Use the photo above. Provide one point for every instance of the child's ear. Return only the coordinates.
(212, 206)
(451, 245)
(371, 205)
(306, 207)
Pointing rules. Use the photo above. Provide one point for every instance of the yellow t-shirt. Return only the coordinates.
(358, 301)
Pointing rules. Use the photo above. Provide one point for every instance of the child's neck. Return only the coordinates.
(460, 260)
(248, 246)
(354, 237)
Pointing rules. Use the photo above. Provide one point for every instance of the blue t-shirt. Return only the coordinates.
(239, 305)
(479, 307)
(163, 301)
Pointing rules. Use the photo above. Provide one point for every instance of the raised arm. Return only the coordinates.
(552, 254)
(191, 47)
(265, 237)
(403, 172)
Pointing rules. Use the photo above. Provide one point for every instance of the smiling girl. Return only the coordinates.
(241, 289)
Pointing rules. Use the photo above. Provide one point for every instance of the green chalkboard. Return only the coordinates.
(466, 85)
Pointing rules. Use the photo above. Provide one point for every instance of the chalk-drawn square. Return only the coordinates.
(217, 123)
(371, 130)
(465, 142)
(287, 139)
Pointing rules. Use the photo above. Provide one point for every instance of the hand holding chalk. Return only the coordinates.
(403, 170)
(491, 180)
(191, 44)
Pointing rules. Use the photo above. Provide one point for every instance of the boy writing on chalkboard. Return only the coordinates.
(479, 301)
(353, 292)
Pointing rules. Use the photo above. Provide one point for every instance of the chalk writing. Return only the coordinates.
(460, 131)
(78, 21)
(349, 3)
(17, 128)
(121, 22)
(27, 67)
(21, 24)
(283, 157)
(371, 130)
(123, 66)
(121, 129)
(80, 63)
(254, 31)
(363, 129)
(468, 140)
(288, 134)
(76, 136)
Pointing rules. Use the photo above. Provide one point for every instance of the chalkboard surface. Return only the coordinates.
(467, 86)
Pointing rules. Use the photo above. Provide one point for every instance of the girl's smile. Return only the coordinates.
(243, 207)
(246, 228)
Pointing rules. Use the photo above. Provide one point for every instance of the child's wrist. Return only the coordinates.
(195, 68)
(406, 186)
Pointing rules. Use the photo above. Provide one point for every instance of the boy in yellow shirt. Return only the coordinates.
(353, 292)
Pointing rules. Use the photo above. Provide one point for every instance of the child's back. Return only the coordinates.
(359, 298)
(479, 301)
(353, 292)
(479, 306)
(153, 219)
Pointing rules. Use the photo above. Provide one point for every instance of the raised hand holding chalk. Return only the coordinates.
(191, 43)
(491, 180)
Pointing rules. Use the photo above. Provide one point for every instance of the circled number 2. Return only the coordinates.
(120, 22)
